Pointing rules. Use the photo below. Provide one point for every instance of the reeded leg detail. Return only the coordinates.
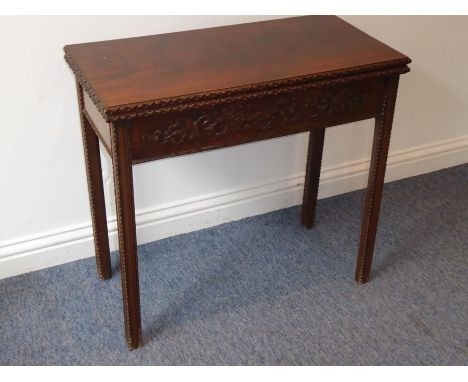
(123, 183)
(312, 177)
(96, 193)
(382, 132)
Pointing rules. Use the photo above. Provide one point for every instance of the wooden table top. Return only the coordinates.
(143, 69)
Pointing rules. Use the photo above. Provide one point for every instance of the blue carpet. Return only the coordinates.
(264, 290)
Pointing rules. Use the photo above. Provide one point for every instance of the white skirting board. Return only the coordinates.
(68, 244)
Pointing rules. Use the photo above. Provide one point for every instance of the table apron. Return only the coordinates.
(249, 119)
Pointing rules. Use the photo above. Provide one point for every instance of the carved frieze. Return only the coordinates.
(265, 115)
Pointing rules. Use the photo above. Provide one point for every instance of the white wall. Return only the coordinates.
(44, 213)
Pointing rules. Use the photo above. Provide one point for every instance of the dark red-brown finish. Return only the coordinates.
(250, 118)
(133, 70)
(123, 185)
(382, 131)
(154, 97)
(312, 177)
(95, 192)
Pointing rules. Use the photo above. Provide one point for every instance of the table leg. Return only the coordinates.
(96, 193)
(382, 131)
(312, 177)
(123, 184)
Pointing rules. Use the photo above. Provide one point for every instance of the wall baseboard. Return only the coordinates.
(56, 247)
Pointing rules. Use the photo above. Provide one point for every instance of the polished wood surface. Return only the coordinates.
(133, 70)
(154, 97)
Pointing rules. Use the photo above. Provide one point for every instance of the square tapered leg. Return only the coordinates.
(312, 177)
(96, 193)
(123, 184)
(382, 132)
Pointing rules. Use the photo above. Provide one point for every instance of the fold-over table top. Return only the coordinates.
(144, 69)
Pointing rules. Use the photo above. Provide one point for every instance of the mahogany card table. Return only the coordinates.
(160, 96)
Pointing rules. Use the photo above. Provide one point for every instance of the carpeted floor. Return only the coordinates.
(264, 290)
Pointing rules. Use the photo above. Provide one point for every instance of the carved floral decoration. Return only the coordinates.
(258, 116)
